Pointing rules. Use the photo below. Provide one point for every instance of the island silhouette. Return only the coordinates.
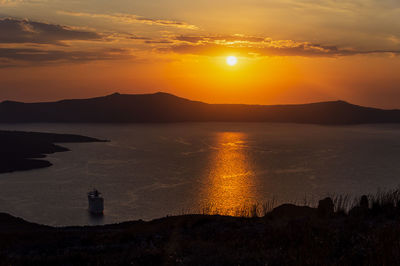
(167, 108)
(26, 150)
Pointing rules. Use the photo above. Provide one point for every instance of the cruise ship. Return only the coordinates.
(96, 202)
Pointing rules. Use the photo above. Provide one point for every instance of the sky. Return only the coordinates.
(288, 51)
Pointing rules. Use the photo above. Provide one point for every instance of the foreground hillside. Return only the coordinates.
(21, 150)
(289, 235)
(163, 107)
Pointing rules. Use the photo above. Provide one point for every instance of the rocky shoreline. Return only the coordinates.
(23, 150)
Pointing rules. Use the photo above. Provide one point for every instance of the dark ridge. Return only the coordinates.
(11, 102)
(166, 108)
(21, 150)
(10, 223)
(369, 234)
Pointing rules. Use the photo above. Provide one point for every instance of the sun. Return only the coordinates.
(231, 60)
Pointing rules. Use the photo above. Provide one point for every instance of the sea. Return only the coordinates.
(149, 171)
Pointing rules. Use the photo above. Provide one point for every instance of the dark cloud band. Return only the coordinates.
(25, 31)
(23, 56)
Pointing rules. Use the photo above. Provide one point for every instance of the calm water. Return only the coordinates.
(150, 171)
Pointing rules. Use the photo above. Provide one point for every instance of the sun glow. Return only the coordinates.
(231, 60)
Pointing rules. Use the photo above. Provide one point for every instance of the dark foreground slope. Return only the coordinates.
(163, 107)
(20, 150)
(289, 235)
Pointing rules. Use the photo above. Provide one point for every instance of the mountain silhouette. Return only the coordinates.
(164, 108)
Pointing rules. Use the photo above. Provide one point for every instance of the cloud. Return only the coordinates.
(27, 43)
(32, 56)
(17, 2)
(10, 2)
(220, 38)
(25, 31)
(130, 19)
(258, 46)
(158, 42)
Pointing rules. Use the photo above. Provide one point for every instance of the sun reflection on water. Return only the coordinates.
(230, 182)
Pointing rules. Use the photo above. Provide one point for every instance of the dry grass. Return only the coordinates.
(343, 204)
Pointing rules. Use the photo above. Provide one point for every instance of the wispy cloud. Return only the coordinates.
(130, 18)
(220, 38)
(259, 46)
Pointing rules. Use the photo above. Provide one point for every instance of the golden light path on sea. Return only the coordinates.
(230, 184)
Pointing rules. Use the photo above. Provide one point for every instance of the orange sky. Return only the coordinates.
(288, 51)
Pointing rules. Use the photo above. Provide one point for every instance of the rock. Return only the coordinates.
(290, 211)
(325, 207)
(362, 208)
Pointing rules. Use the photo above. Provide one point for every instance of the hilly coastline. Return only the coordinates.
(166, 108)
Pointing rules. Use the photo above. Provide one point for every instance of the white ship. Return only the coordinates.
(96, 202)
